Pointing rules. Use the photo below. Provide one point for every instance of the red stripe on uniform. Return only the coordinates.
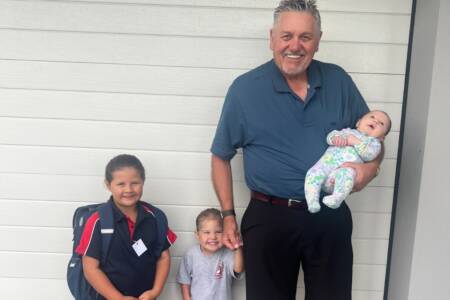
(88, 232)
(171, 236)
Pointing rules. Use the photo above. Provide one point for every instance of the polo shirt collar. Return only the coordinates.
(119, 215)
(280, 83)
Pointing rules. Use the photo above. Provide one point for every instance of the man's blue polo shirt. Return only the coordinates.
(281, 135)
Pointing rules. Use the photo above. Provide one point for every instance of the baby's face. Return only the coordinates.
(374, 124)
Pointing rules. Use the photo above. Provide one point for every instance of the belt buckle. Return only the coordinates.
(292, 202)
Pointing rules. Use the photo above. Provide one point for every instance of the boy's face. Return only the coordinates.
(374, 124)
(209, 236)
(126, 187)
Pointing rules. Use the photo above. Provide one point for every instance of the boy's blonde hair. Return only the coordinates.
(208, 214)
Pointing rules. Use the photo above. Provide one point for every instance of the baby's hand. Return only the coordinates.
(339, 141)
(352, 140)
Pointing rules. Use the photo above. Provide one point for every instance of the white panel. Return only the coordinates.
(58, 240)
(36, 289)
(158, 80)
(398, 6)
(201, 21)
(158, 191)
(111, 106)
(203, 52)
(45, 289)
(181, 218)
(129, 107)
(53, 266)
(92, 162)
(114, 135)
(106, 135)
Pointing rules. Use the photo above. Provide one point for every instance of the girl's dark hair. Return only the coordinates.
(124, 161)
(208, 214)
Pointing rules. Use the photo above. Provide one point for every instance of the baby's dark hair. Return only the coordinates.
(208, 214)
(123, 161)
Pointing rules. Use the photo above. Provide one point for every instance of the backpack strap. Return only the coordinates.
(105, 211)
(161, 223)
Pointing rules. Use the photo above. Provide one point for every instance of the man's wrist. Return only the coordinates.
(228, 213)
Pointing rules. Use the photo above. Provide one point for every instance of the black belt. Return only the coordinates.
(292, 203)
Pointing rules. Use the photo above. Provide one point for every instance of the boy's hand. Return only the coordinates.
(339, 141)
(148, 295)
(129, 298)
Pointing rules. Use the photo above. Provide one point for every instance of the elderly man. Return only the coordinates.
(280, 114)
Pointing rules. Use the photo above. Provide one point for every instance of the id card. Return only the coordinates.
(139, 247)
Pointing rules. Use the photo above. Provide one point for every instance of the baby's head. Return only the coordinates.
(375, 123)
(209, 225)
(124, 177)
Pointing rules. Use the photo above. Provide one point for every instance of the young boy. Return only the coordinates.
(346, 145)
(135, 268)
(207, 269)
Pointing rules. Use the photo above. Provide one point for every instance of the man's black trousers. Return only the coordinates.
(277, 239)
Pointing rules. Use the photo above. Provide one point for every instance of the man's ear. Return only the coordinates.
(271, 39)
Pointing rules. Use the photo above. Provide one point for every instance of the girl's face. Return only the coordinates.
(209, 236)
(126, 187)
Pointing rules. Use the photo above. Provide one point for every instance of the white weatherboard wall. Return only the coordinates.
(82, 81)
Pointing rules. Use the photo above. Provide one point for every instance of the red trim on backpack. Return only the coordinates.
(88, 232)
(171, 236)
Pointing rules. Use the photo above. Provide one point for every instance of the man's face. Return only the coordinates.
(294, 39)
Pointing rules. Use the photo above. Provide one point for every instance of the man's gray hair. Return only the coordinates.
(298, 5)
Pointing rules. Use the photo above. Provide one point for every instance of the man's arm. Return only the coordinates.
(365, 172)
(222, 181)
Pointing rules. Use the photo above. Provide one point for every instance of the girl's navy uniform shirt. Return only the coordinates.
(129, 273)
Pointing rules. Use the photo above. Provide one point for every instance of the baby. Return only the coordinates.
(347, 145)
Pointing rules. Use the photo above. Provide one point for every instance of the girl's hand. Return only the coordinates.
(148, 295)
(339, 141)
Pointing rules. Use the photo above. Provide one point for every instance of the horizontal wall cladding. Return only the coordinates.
(84, 80)
(181, 218)
(53, 266)
(56, 289)
(203, 51)
(209, 21)
(139, 79)
(382, 6)
(55, 240)
(185, 192)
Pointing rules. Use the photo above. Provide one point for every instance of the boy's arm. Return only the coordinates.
(185, 291)
(162, 271)
(99, 281)
(238, 266)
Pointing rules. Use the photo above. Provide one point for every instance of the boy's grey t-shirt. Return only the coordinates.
(210, 277)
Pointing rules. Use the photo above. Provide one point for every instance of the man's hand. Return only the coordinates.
(364, 174)
(231, 237)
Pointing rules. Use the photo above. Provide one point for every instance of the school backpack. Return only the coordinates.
(78, 285)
